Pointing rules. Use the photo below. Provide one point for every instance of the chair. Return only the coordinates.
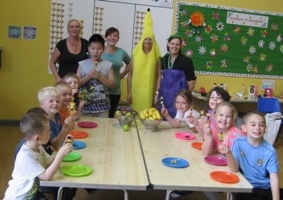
(269, 105)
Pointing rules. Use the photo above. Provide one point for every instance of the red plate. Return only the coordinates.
(185, 136)
(87, 124)
(197, 145)
(79, 134)
(216, 160)
(224, 177)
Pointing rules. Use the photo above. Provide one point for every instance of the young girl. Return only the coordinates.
(73, 80)
(96, 76)
(185, 111)
(223, 132)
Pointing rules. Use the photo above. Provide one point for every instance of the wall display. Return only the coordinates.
(29, 33)
(14, 32)
(231, 41)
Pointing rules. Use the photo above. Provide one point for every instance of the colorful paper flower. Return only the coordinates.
(227, 37)
(189, 53)
(215, 15)
(219, 26)
(202, 50)
(244, 40)
(252, 50)
(249, 67)
(262, 57)
(198, 39)
(183, 12)
(223, 64)
(224, 48)
(247, 59)
(261, 43)
(208, 29)
(269, 68)
(197, 19)
(185, 24)
(274, 26)
(279, 38)
(237, 29)
(250, 32)
(209, 65)
(281, 48)
(189, 33)
(212, 52)
(264, 33)
(214, 38)
(272, 45)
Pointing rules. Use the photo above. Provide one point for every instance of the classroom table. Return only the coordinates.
(114, 155)
(163, 143)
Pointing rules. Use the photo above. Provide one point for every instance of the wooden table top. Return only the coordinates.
(114, 155)
(196, 177)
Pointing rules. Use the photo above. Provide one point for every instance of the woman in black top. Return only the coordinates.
(68, 52)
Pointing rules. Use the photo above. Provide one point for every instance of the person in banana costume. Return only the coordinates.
(142, 77)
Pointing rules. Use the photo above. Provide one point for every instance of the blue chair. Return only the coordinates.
(269, 105)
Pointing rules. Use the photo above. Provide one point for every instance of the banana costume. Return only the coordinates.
(144, 69)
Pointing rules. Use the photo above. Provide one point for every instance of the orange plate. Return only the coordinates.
(79, 134)
(224, 177)
(197, 145)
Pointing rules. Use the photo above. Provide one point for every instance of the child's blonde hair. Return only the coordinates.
(62, 83)
(47, 92)
(70, 75)
(227, 104)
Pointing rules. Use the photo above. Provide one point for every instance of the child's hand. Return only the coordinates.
(200, 122)
(223, 149)
(164, 112)
(192, 119)
(82, 103)
(207, 129)
(70, 122)
(74, 91)
(65, 149)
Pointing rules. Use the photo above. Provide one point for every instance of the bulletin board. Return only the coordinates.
(230, 41)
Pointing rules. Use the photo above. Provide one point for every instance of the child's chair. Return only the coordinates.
(269, 105)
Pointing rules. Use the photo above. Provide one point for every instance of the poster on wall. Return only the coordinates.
(231, 41)
(29, 33)
(14, 32)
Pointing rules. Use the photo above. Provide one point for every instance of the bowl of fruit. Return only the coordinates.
(150, 118)
(125, 116)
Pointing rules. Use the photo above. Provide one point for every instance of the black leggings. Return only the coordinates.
(114, 101)
(257, 194)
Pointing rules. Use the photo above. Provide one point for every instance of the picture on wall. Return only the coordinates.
(230, 41)
(29, 33)
(14, 32)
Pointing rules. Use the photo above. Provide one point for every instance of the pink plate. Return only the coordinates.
(216, 160)
(87, 124)
(185, 136)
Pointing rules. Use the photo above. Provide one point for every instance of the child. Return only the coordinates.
(66, 97)
(96, 76)
(256, 159)
(223, 132)
(32, 162)
(183, 105)
(214, 97)
(49, 99)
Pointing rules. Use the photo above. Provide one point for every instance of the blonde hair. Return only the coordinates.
(74, 20)
(229, 105)
(70, 75)
(47, 92)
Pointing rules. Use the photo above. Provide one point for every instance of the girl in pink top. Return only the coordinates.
(223, 132)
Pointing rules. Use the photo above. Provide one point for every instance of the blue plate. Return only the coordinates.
(175, 162)
(78, 144)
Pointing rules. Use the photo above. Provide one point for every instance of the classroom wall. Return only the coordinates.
(24, 73)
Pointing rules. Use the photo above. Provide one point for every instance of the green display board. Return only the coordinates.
(230, 41)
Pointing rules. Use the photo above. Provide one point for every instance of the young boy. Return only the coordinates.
(256, 159)
(32, 162)
(66, 97)
(49, 99)
(96, 76)
(73, 81)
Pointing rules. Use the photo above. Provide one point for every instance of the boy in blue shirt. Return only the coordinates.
(256, 159)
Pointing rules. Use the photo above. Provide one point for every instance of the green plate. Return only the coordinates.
(73, 156)
(76, 170)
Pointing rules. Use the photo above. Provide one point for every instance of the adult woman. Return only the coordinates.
(68, 52)
(175, 72)
(118, 57)
(143, 69)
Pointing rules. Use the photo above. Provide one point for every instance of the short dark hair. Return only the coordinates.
(186, 94)
(33, 123)
(96, 38)
(111, 30)
(219, 91)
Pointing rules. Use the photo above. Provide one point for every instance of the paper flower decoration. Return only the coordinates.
(197, 19)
